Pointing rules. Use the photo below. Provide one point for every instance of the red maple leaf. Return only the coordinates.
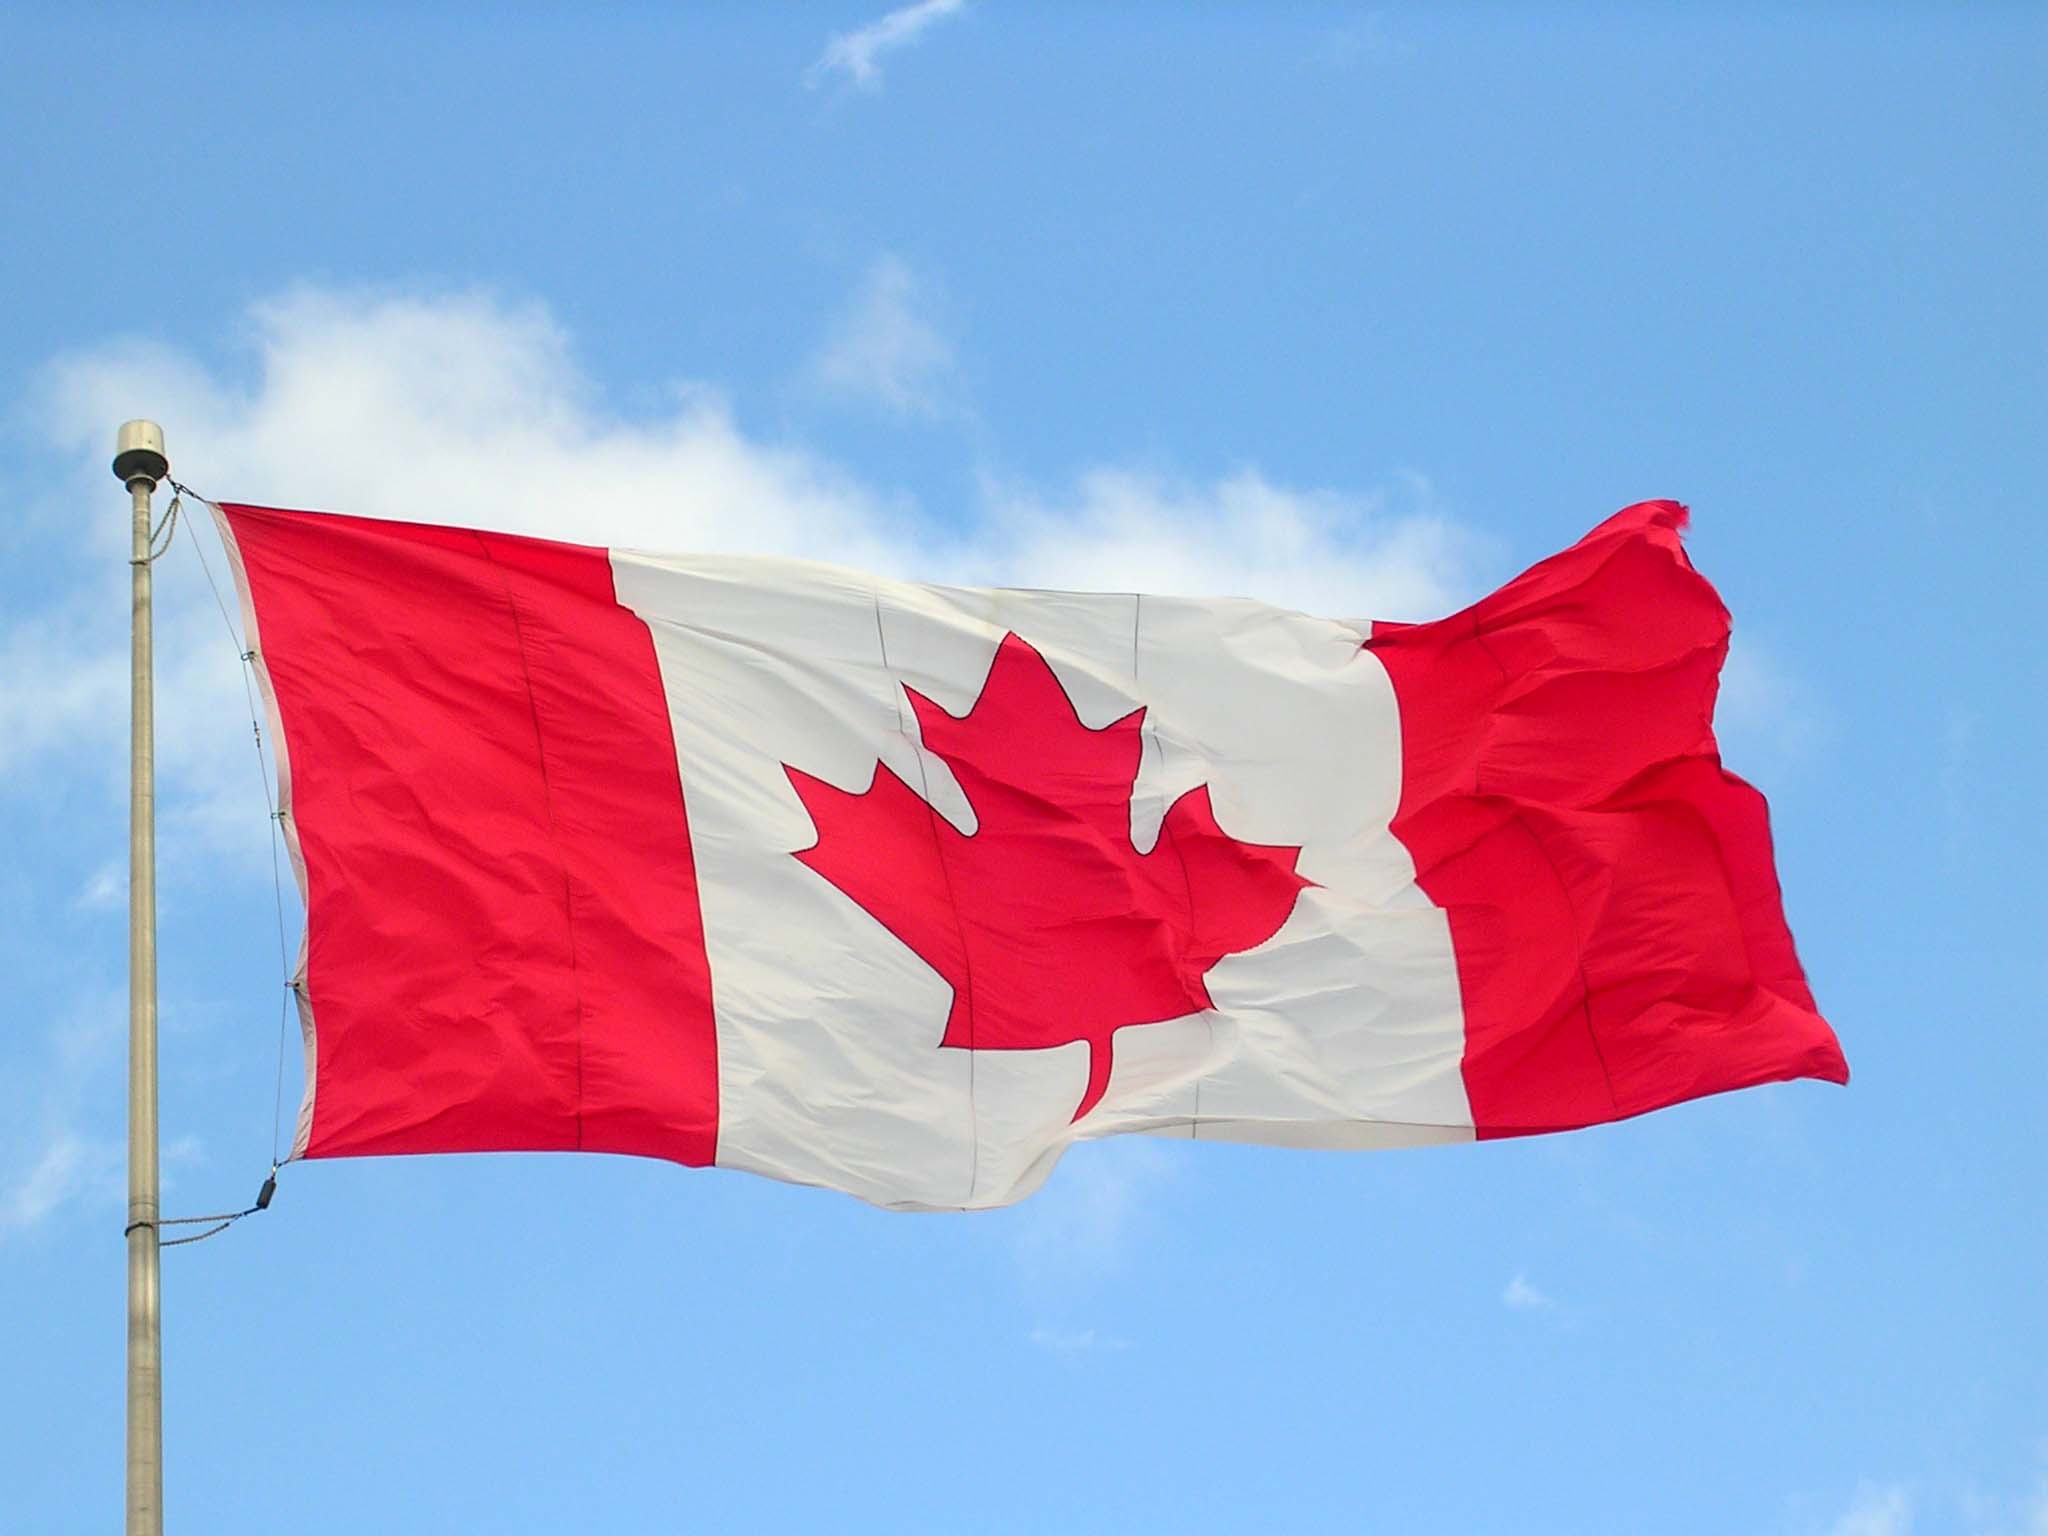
(1047, 922)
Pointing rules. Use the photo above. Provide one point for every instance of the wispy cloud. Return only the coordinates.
(857, 55)
(1765, 713)
(1373, 555)
(886, 350)
(1892, 1508)
(2007, 1513)
(1079, 1228)
(1359, 41)
(1521, 1296)
(106, 890)
(69, 1165)
(51, 692)
(1083, 1341)
(1876, 1511)
(1074, 1236)
(407, 406)
(52, 1154)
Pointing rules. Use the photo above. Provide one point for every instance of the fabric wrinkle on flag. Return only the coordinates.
(900, 889)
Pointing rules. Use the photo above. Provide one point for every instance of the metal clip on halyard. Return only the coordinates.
(221, 1220)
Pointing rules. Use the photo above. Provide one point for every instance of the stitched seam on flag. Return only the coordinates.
(1175, 1122)
(945, 874)
(280, 748)
(1187, 885)
(1579, 949)
(540, 751)
(1209, 1013)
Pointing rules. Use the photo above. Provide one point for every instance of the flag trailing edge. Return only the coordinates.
(899, 889)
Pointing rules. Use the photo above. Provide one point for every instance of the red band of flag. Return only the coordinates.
(504, 947)
(1620, 937)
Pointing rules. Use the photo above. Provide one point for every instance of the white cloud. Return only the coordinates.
(1766, 718)
(857, 55)
(1080, 1226)
(460, 409)
(1521, 1296)
(1359, 41)
(467, 409)
(1341, 555)
(48, 1156)
(106, 891)
(1080, 1341)
(2003, 1514)
(1876, 1511)
(884, 350)
(69, 1157)
(1079, 1231)
(69, 1165)
(52, 692)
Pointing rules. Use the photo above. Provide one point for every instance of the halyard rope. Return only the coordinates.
(166, 529)
(284, 965)
(222, 1220)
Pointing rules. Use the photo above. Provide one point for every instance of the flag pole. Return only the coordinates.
(139, 463)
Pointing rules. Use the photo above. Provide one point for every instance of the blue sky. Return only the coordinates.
(1357, 309)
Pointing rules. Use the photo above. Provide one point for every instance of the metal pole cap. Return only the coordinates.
(139, 453)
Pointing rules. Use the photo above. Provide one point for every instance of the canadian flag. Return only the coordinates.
(901, 889)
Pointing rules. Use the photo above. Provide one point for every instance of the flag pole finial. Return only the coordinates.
(139, 463)
(139, 453)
